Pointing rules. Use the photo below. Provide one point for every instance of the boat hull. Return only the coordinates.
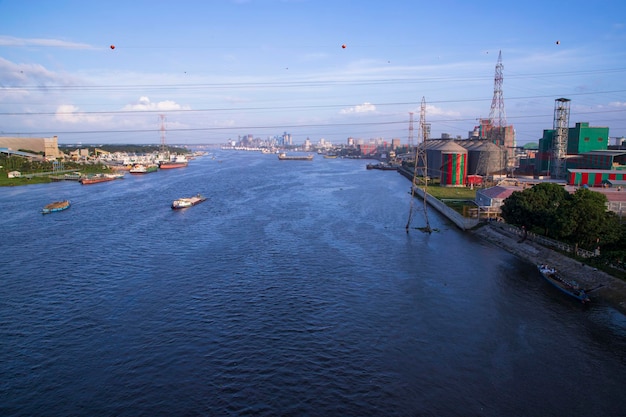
(100, 178)
(567, 287)
(285, 157)
(172, 165)
(56, 206)
(143, 169)
(187, 202)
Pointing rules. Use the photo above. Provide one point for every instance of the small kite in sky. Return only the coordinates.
(558, 42)
(343, 46)
(112, 46)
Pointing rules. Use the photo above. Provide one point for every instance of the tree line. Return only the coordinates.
(580, 218)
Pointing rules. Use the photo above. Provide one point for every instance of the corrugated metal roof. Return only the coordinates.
(452, 147)
(498, 191)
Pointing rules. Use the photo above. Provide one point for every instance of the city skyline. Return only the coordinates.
(105, 73)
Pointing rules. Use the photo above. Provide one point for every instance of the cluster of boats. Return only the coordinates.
(137, 168)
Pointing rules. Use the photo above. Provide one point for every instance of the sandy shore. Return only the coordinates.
(613, 290)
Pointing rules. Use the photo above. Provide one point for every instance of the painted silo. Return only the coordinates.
(453, 165)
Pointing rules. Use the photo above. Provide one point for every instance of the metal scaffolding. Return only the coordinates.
(559, 141)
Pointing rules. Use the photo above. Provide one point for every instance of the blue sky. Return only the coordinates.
(218, 69)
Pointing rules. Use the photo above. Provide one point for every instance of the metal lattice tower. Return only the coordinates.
(163, 147)
(497, 114)
(420, 169)
(410, 131)
(559, 142)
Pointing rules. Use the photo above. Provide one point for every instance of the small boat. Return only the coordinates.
(383, 166)
(185, 202)
(56, 206)
(143, 169)
(97, 178)
(570, 288)
(180, 161)
(284, 157)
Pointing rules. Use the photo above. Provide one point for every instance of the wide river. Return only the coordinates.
(294, 290)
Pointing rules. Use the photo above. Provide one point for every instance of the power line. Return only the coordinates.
(306, 107)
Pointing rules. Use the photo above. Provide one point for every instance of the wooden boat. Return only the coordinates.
(56, 206)
(185, 202)
(570, 288)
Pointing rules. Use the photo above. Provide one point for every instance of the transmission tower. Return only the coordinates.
(496, 126)
(420, 170)
(497, 115)
(559, 143)
(410, 131)
(163, 147)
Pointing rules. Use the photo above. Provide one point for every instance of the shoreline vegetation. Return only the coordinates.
(610, 289)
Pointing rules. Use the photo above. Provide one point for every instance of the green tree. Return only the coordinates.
(585, 222)
(536, 207)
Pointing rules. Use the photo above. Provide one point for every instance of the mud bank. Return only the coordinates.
(613, 290)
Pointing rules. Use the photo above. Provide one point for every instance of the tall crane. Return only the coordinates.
(420, 169)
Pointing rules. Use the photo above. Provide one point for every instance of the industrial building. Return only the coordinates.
(586, 147)
(48, 146)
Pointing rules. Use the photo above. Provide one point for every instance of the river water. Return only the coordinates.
(293, 291)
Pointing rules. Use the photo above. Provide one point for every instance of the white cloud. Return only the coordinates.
(361, 108)
(55, 43)
(68, 113)
(437, 111)
(144, 104)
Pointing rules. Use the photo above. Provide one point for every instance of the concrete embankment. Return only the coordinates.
(612, 290)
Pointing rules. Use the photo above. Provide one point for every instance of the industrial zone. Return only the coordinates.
(578, 156)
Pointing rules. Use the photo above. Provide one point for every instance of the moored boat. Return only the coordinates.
(570, 288)
(185, 202)
(97, 178)
(383, 166)
(56, 206)
(284, 157)
(178, 162)
(143, 169)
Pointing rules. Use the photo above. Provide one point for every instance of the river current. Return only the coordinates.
(294, 290)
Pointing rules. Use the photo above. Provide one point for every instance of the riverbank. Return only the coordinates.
(612, 290)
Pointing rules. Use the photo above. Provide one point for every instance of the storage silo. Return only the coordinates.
(473, 155)
(453, 165)
(433, 156)
(491, 159)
